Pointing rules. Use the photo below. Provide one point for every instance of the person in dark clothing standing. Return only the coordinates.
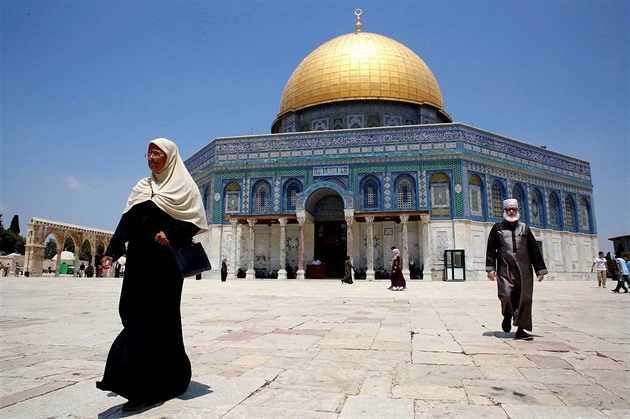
(347, 271)
(397, 278)
(511, 252)
(89, 271)
(147, 363)
(224, 270)
(622, 273)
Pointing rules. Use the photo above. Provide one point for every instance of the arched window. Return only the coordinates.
(261, 196)
(291, 190)
(518, 193)
(584, 214)
(535, 208)
(440, 194)
(370, 189)
(475, 195)
(232, 198)
(497, 200)
(554, 213)
(569, 212)
(404, 192)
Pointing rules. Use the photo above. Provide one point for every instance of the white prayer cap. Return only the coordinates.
(510, 201)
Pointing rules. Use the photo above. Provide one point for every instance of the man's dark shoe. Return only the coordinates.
(521, 334)
(506, 325)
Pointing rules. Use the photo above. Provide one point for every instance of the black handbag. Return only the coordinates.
(191, 259)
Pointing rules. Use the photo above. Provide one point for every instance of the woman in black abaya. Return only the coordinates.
(147, 362)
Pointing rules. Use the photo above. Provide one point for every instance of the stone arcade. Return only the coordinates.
(39, 229)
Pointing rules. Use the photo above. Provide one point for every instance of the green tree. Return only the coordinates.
(1, 235)
(50, 248)
(100, 252)
(86, 251)
(10, 239)
(69, 245)
(15, 224)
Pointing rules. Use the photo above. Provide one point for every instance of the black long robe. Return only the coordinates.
(147, 361)
(511, 252)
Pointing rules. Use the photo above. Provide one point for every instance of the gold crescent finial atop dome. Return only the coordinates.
(358, 13)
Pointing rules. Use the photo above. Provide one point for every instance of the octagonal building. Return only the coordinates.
(363, 156)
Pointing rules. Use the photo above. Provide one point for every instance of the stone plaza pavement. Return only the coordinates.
(321, 349)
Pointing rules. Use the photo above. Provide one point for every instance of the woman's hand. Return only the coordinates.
(106, 261)
(161, 238)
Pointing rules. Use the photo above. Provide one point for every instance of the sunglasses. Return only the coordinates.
(511, 210)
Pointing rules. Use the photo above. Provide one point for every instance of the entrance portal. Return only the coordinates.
(330, 234)
(330, 246)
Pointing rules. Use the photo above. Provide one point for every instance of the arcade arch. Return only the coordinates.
(40, 229)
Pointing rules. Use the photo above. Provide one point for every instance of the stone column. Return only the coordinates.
(77, 251)
(233, 264)
(58, 264)
(427, 252)
(405, 246)
(30, 251)
(300, 272)
(282, 272)
(251, 273)
(369, 248)
(349, 216)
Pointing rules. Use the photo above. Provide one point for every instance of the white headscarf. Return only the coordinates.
(395, 252)
(173, 190)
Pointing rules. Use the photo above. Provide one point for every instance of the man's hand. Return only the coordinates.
(492, 275)
(541, 277)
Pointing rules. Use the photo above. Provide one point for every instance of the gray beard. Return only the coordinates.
(511, 219)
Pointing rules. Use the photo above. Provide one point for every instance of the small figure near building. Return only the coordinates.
(602, 269)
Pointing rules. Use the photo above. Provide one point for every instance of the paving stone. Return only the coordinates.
(314, 349)
(432, 409)
(376, 407)
(588, 395)
(377, 383)
(510, 392)
(536, 412)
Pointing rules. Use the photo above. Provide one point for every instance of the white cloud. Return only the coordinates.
(74, 184)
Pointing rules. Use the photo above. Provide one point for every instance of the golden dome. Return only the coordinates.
(360, 66)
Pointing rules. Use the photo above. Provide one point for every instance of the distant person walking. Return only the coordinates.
(602, 269)
(396, 275)
(347, 271)
(622, 273)
(224, 269)
(510, 254)
(147, 362)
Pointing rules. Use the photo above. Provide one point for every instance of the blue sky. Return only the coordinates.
(86, 84)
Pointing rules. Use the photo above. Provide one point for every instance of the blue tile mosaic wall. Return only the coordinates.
(418, 151)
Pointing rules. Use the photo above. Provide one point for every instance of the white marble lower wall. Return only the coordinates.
(568, 256)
